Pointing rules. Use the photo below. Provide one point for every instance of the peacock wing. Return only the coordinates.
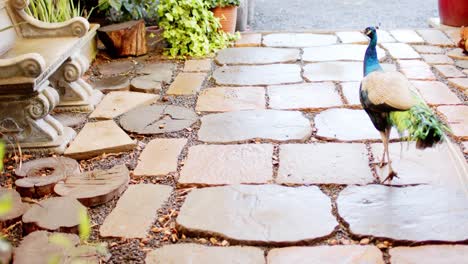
(390, 88)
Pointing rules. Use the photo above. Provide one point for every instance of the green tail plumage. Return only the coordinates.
(421, 123)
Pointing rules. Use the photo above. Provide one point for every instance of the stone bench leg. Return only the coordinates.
(25, 119)
(76, 95)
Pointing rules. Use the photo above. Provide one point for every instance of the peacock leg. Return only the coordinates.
(391, 173)
(384, 140)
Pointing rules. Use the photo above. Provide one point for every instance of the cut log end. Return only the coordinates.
(124, 39)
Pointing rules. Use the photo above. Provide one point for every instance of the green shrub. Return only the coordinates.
(191, 29)
(125, 10)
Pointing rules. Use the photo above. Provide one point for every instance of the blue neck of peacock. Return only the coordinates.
(371, 61)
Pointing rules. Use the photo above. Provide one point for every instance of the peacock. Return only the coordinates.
(390, 100)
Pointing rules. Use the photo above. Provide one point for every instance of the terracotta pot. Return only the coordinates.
(227, 16)
(453, 12)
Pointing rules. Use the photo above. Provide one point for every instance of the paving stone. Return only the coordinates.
(115, 104)
(198, 65)
(249, 40)
(98, 138)
(346, 125)
(436, 93)
(228, 164)
(401, 51)
(161, 72)
(112, 83)
(449, 71)
(435, 37)
(304, 96)
(187, 83)
(130, 221)
(258, 75)
(416, 70)
(71, 119)
(465, 146)
(329, 163)
(333, 71)
(418, 213)
(160, 157)
(298, 40)
(198, 254)
(347, 52)
(351, 92)
(256, 55)
(462, 64)
(437, 59)
(226, 99)
(354, 37)
(460, 83)
(145, 84)
(406, 36)
(428, 49)
(158, 119)
(457, 118)
(430, 166)
(457, 54)
(384, 37)
(432, 254)
(116, 67)
(353, 254)
(254, 124)
(258, 214)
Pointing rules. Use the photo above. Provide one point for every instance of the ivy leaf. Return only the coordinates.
(6, 203)
(84, 226)
(2, 154)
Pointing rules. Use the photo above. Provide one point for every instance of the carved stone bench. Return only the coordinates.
(41, 67)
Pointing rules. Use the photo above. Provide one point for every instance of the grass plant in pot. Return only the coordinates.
(453, 12)
(226, 11)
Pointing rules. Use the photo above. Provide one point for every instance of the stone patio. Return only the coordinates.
(262, 154)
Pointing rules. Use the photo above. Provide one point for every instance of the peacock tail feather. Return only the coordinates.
(421, 124)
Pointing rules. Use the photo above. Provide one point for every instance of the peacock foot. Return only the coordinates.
(390, 176)
(381, 164)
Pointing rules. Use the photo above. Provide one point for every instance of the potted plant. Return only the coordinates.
(453, 12)
(226, 11)
(190, 28)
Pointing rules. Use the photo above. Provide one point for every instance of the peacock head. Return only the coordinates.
(371, 32)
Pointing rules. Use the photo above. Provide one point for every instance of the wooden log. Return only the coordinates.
(124, 39)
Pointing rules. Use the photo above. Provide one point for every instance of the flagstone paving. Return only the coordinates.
(228, 164)
(135, 211)
(298, 40)
(406, 36)
(331, 163)
(258, 75)
(431, 254)
(233, 56)
(260, 214)
(198, 254)
(225, 99)
(115, 104)
(326, 255)
(304, 96)
(160, 157)
(98, 138)
(256, 124)
(417, 213)
(435, 166)
(145, 84)
(347, 52)
(436, 93)
(346, 125)
(283, 155)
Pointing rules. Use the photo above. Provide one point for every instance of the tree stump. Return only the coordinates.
(59, 214)
(44, 247)
(17, 207)
(38, 177)
(95, 187)
(124, 39)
